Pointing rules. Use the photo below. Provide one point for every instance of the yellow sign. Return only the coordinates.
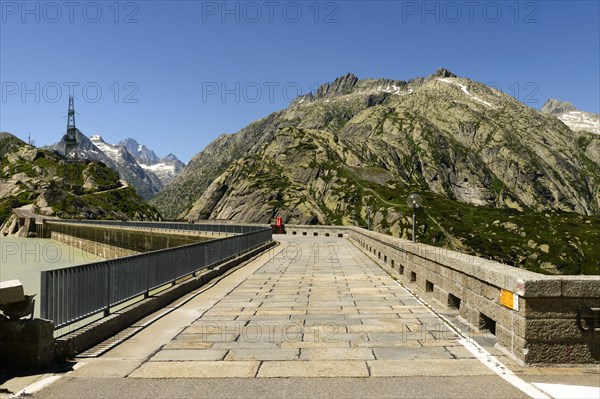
(509, 299)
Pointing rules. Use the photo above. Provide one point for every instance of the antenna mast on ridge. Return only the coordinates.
(72, 165)
(71, 136)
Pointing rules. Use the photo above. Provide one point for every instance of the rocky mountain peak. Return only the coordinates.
(170, 158)
(140, 152)
(555, 107)
(164, 168)
(350, 84)
(340, 86)
(576, 119)
(443, 73)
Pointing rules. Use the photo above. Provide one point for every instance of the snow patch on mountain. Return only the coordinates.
(464, 89)
(112, 151)
(579, 120)
(166, 169)
(572, 117)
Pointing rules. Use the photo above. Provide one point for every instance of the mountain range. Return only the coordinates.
(135, 163)
(165, 168)
(499, 179)
(40, 180)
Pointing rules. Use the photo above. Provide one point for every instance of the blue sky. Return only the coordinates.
(174, 75)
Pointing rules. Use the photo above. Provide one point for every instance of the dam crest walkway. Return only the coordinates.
(313, 317)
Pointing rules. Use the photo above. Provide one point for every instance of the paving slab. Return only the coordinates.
(263, 354)
(246, 345)
(459, 351)
(427, 367)
(385, 344)
(318, 344)
(378, 328)
(399, 336)
(336, 354)
(197, 369)
(333, 336)
(178, 355)
(178, 344)
(313, 369)
(407, 353)
(378, 320)
(106, 368)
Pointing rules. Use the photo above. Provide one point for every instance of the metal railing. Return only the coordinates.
(183, 226)
(72, 294)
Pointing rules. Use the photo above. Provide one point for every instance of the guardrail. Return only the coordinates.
(183, 226)
(72, 294)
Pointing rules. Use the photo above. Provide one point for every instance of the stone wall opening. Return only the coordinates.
(487, 323)
(428, 286)
(453, 302)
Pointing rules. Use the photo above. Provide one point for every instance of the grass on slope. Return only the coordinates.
(544, 242)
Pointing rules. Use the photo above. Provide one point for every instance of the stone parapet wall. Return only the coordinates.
(114, 242)
(96, 248)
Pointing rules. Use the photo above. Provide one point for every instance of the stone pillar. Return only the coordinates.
(26, 344)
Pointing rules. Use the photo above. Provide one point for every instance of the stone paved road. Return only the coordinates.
(320, 308)
(315, 318)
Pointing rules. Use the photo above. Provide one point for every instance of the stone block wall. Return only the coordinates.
(112, 243)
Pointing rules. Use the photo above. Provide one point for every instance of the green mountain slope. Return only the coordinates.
(32, 176)
(499, 179)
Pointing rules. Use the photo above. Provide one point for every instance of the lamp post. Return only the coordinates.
(414, 201)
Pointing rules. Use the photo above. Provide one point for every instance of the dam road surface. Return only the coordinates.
(314, 317)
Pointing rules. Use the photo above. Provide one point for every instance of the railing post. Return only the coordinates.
(174, 268)
(205, 255)
(108, 288)
(147, 293)
(44, 295)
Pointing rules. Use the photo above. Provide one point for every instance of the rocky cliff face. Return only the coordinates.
(489, 167)
(39, 178)
(166, 169)
(146, 183)
(139, 151)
